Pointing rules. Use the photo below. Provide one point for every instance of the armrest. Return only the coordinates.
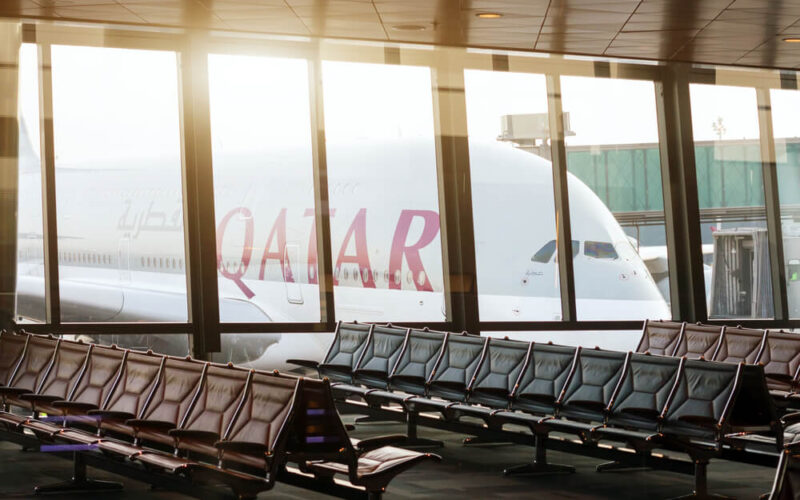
(649, 413)
(14, 391)
(75, 405)
(379, 442)
(589, 405)
(243, 447)
(194, 434)
(307, 363)
(698, 420)
(40, 398)
(112, 415)
(152, 425)
(790, 418)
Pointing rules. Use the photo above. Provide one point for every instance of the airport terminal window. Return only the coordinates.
(383, 192)
(30, 243)
(263, 189)
(512, 197)
(615, 198)
(786, 131)
(731, 200)
(117, 138)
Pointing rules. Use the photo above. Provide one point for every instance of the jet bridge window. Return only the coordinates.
(546, 252)
(600, 250)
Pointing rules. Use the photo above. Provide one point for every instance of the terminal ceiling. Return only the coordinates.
(741, 32)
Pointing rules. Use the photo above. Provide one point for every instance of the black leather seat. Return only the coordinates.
(741, 345)
(781, 360)
(589, 392)
(699, 341)
(12, 347)
(452, 375)
(28, 376)
(660, 337)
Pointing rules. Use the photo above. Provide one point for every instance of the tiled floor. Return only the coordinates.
(473, 472)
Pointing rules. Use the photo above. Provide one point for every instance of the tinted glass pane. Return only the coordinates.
(30, 249)
(118, 185)
(786, 129)
(615, 198)
(387, 258)
(731, 197)
(512, 197)
(263, 189)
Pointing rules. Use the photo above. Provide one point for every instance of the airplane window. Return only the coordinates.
(599, 250)
(421, 278)
(346, 274)
(409, 277)
(545, 253)
(397, 277)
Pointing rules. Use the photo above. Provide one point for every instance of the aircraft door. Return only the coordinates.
(124, 259)
(291, 273)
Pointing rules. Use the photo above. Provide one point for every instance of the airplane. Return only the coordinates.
(121, 252)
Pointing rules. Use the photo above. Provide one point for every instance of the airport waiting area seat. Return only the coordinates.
(184, 424)
(705, 403)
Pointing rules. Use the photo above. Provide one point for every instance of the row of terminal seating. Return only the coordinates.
(778, 352)
(197, 422)
(640, 401)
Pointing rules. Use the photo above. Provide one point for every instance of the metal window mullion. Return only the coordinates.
(459, 276)
(49, 206)
(772, 204)
(558, 151)
(679, 185)
(321, 194)
(198, 199)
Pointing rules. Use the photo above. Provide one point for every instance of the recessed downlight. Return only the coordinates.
(792, 39)
(489, 15)
(409, 27)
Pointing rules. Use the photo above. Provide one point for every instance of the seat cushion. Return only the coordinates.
(163, 461)
(77, 437)
(118, 448)
(12, 419)
(385, 460)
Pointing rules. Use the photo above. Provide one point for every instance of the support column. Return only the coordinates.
(772, 204)
(198, 200)
(10, 41)
(455, 192)
(681, 209)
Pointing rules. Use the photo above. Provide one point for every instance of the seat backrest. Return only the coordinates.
(380, 355)
(136, 382)
(593, 384)
(457, 366)
(643, 391)
(317, 432)
(699, 341)
(740, 344)
(12, 346)
(179, 383)
(33, 368)
(218, 400)
(98, 378)
(264, 412)
(499, 372)
(699, 404)
(67, 367)
(342, 358)
(416, 361)
(781, 359)
(546, 373)
(660, 337)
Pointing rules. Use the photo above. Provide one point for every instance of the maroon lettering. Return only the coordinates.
(411, 252)
(358, 229)
(247, 249)
(278, 232)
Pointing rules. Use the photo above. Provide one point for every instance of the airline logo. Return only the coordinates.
(274, 248)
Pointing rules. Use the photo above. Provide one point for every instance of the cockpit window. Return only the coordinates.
(546, 252)
(599, 250)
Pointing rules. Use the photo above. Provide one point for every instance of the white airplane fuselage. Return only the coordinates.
(121, 245)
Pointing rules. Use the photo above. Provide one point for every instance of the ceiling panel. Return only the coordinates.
(747, 32)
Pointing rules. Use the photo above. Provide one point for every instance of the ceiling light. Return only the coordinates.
(489, 15)
(792, 39)
(409, 27)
